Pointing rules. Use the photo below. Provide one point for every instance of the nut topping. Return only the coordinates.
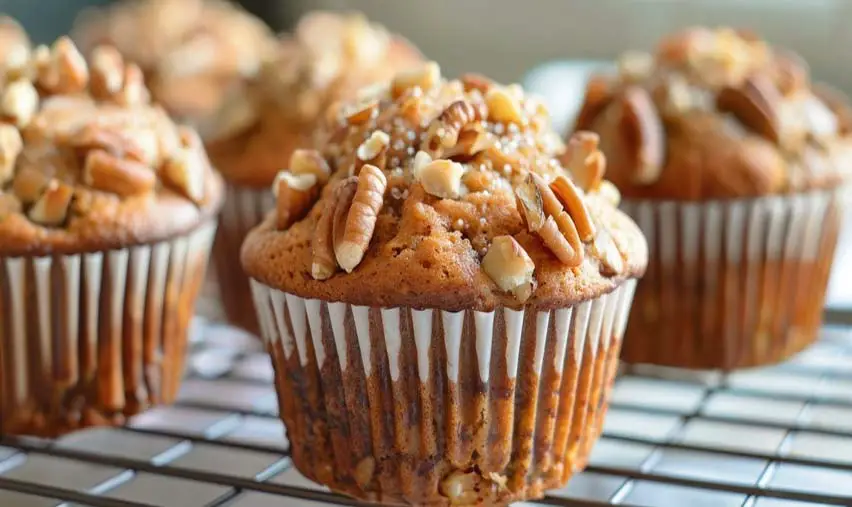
(360, 113)
(511, 268)
(323, 262)
(107, 71)
(441, 178)
(310, 162)
(424, 78)
(29, 183)
(604, 248)
(503, 106)
(66, 71)
(185, 169)
(570, 196)
(372, 151)
(295, 195)
(642, 121)
(583, 159)
(352, 235)
(51, 208)
(19, 102)
(597, 97)
(444, 130)
(124, 177)
(755, 104)
(11, 145)
(544, 216)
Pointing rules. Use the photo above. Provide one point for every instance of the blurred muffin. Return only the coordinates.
(191, 51)
(107, 215)
(736, 167)
(443, 306)
(261, 125)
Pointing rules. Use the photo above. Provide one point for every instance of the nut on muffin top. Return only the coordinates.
(191, 51)
(87, 163)
(327, 58)
(447, 194)
(716, 114)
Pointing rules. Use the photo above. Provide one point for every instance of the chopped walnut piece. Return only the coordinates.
(443, 132)
(124, 177)
(295, 194)
(372, 151)
(478, 82)
(113, 141)
(509, 265)
(584, 161)
(29, 183)
(360, 112)
(66, 71)
(424, 77)
(441, 178)
(11, 145)
(605, 249)
(532, 206)
(133, 92)
(310, 162)
(183, 170)
(19, 102)
(107, 72)
(51, 208)
(503, 106)
(473, 139)
(353, 227)
(573, 200)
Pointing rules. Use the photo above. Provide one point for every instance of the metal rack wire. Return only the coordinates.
(775, 437)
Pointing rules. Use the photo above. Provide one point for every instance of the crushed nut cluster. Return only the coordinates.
(73, 134)
(327, 58)
(459, 148)
(767, 92)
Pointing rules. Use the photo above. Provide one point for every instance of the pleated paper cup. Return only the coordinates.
(244, 208)
(429, 406)
(733, 284)
(92, 338)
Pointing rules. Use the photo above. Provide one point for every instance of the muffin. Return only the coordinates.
(191, 51)
(443, 305)
(736, 168)
(107, 216)
(262, 124)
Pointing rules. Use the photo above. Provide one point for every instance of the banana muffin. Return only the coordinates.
(191, 51)
(107, 216)
(736, 167)
(261, 125)
(443, 304)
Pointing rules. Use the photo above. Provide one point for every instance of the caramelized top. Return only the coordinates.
(328, 57)
(191, 51)
(718, 114)
(445, 194)
(86, 162)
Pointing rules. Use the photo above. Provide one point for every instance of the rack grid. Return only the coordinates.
(773, 437)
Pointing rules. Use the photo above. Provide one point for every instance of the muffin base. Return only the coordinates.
(433, 407)
(733, 285)
(244, 208)
(91, 338)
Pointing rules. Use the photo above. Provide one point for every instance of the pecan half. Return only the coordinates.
(323, 262)
(444, 130)
(353, 227)
(472, 140)
(584, 161)
(643, 128)
(424, 77)
(755, 104)
(295, 194)
(372, 151)
(509, 265)
(560, 236)
(570, 196)
(532, 206)
(441, 178)
(11, 145)
(544, 216)
(124, 177)
(310, 162)
(51, 208)
(598, 95)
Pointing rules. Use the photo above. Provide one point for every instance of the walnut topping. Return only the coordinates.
(373, 149)
(104, 171)
(584, 161)
(66, 71)
(424, 78)
(441, 178)
(360, 113)
(107, 72)
(353, 227)
(570, 196)
(29, 183)
(295, 194)
(310, 162)
(503, 106)
(604, 248)
(19, 102)
(544, 216)
(185, 169)
(444, 130)
(10, 147)
(511, 268)
(51, 208)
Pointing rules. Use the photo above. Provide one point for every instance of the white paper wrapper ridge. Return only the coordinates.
(733, 284)
(90, 338)
(244, 208)
(391, 403)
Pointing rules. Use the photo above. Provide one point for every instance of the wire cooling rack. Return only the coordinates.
(773, 437)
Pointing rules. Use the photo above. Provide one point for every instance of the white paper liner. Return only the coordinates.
(93, 337)
(244, 208)
(732, 284)
(420, 395)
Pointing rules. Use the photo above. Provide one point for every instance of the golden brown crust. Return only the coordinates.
(433, 225)
(728, 117)
(328, 59)
(86, 163)
(191, 51)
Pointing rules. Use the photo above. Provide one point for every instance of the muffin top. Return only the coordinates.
(445, 194)
(717, 114)
(328, 57)
(87, 163)
(191, 51)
